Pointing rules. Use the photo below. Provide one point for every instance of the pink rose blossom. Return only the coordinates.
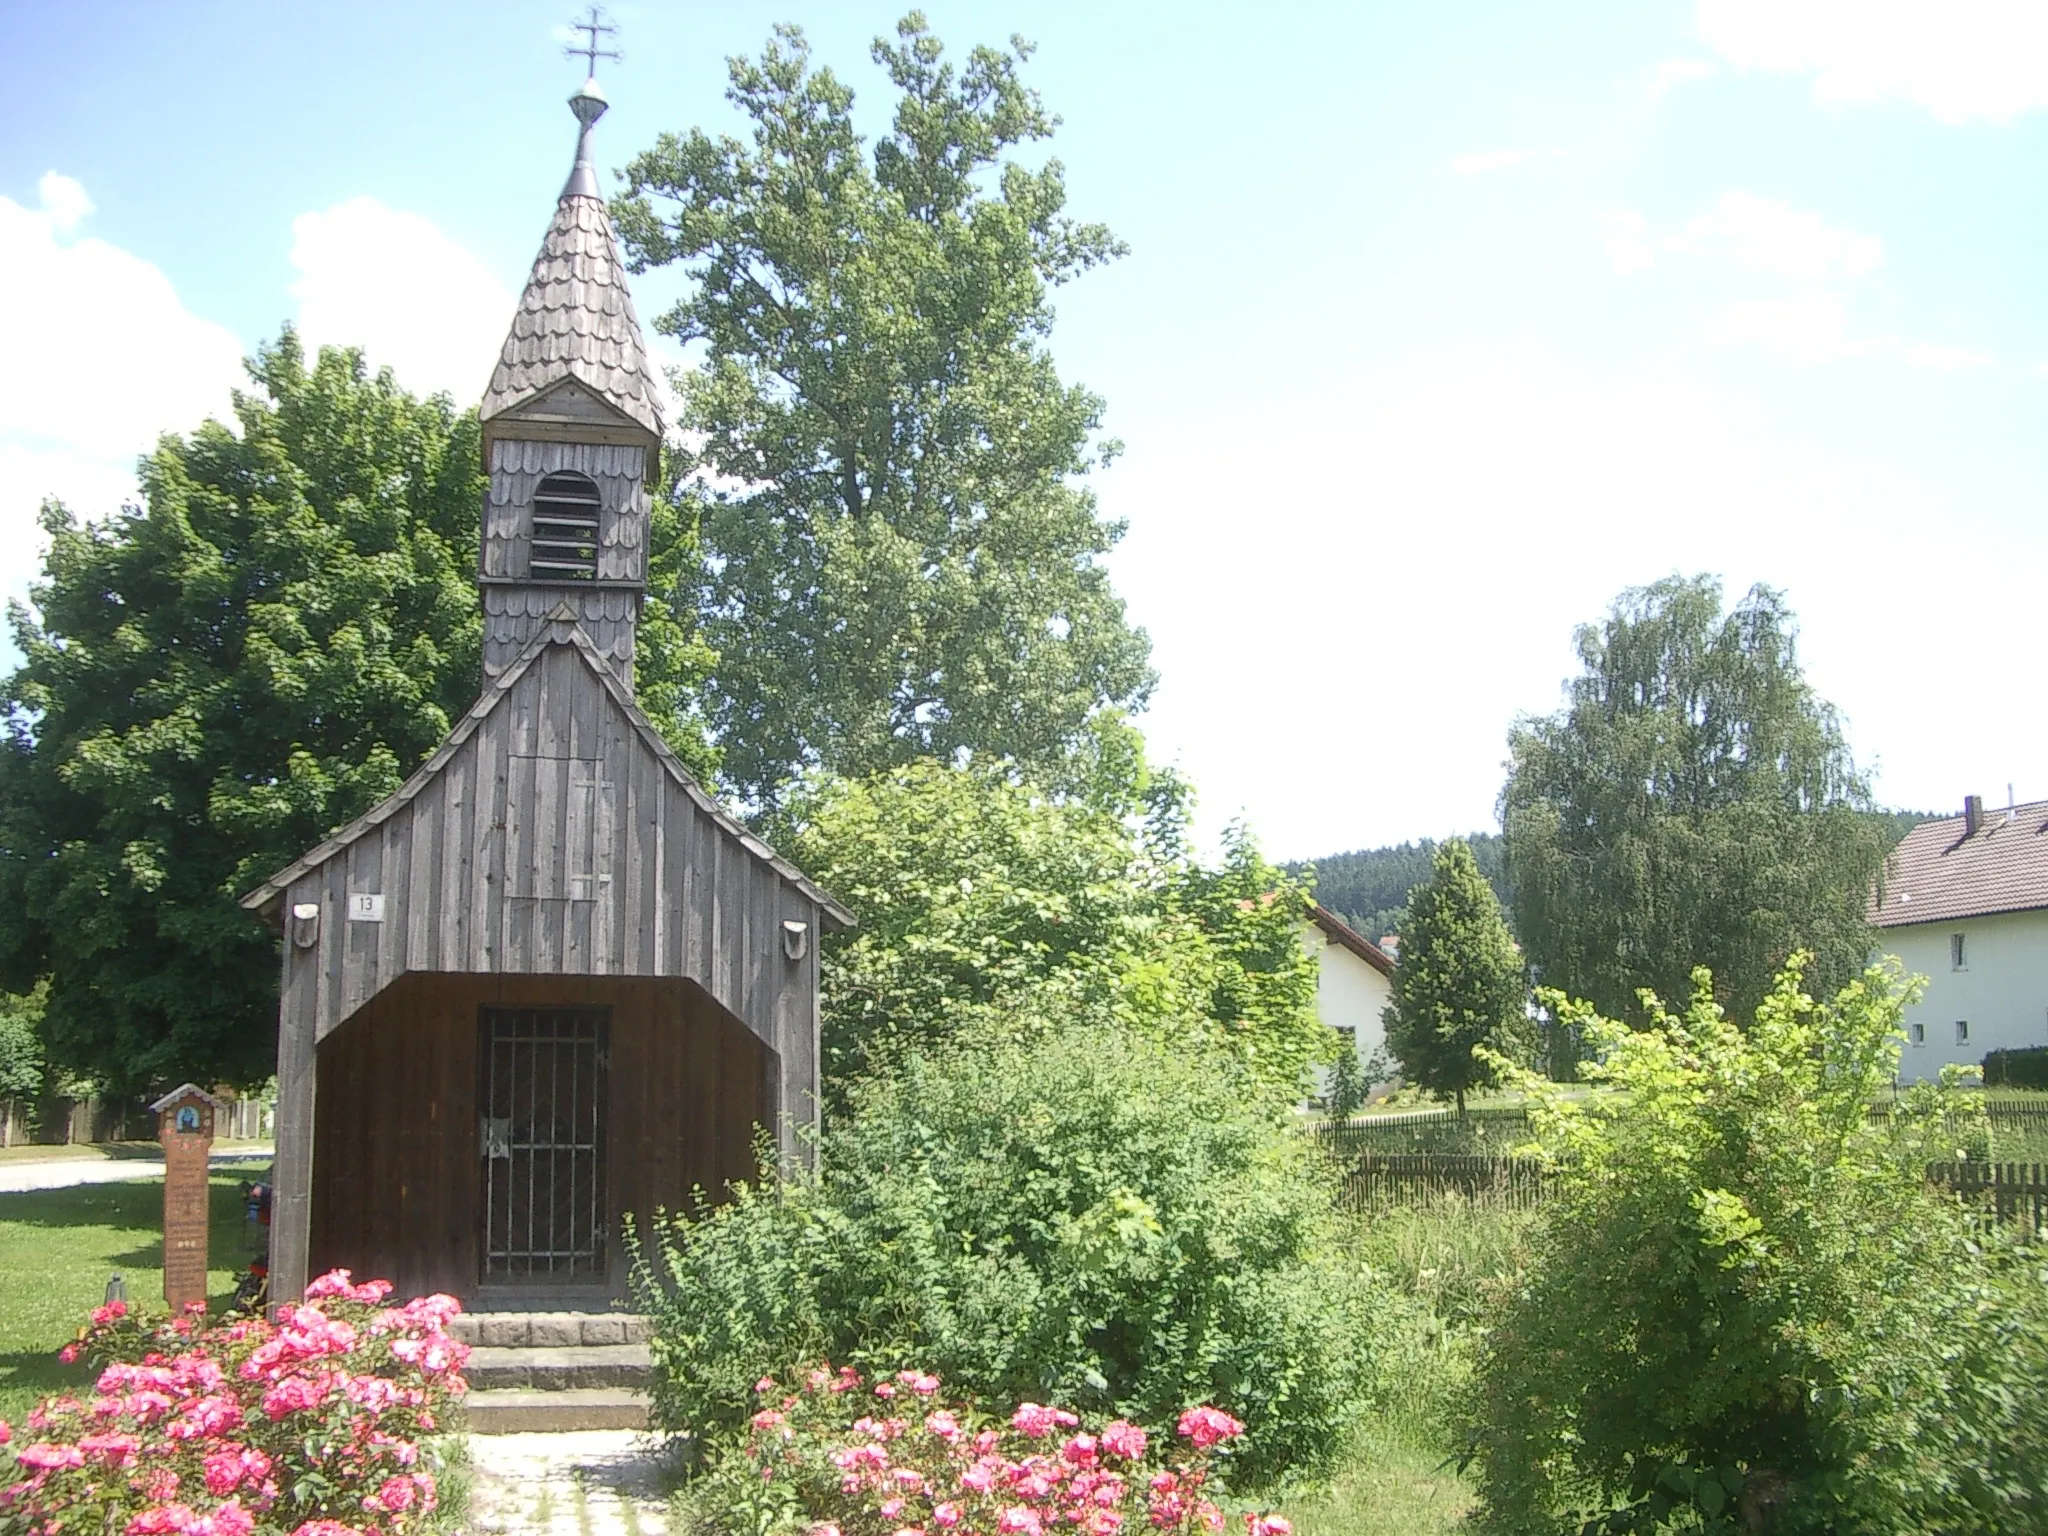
(68, 1354)
(114, 1450)
(946, 1516)
(1079, 1451)
(6, 1434)
(1016, 1520)
(112, 1312)
(890, 1508)
(50, 1458)
(1124, 1439)
(767, 1419)
(765, 1384)
(884, 1389)
(920, 1382)
(942, 1423)
(1035, 1420)
(1267, 1525)
(1206, 1426)
(163, 1520)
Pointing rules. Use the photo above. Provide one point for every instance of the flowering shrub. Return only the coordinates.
(836, 1455)
(196, 1427)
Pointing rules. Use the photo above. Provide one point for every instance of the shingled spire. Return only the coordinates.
(575, 322)
(572, 433)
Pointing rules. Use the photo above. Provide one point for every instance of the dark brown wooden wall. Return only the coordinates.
(395, 1158)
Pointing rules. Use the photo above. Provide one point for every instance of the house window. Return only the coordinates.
(1962, 1031)
(1955, 952)
(565, 509)
(1919, 1033)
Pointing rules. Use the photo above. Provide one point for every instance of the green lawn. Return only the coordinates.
(1389, 1484)
(57, 1248)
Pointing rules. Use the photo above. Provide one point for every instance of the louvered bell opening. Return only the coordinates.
(565, 512)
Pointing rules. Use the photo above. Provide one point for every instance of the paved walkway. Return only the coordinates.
(61, 1173)
(589, 1482)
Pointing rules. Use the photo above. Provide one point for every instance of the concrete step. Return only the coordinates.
(520, 1410)
(585, 1365)
(550, 1330)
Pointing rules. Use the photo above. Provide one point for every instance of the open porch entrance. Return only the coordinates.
(490, 1136)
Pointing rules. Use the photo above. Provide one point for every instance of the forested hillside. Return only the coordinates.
(1369, 887)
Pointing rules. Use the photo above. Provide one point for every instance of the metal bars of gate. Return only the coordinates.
(543, 1142)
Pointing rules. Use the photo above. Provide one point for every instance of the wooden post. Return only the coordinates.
(185, 1127)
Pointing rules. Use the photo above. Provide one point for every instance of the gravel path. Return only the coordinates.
(64, 1172)
(590, 1482)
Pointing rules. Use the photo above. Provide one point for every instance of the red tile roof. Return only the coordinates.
(1938, 874)
(1340, 932)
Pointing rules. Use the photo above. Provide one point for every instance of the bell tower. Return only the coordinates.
(571, 437)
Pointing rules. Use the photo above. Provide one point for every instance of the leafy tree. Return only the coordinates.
(21, 1044)
(1459, 983)
(1347, 1088)
(1693, 803)
(900, 561)
(982, 895)
(1748, 1309)
(215, 680)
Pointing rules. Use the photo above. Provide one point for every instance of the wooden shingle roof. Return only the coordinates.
(1939, 874)
(576, 321)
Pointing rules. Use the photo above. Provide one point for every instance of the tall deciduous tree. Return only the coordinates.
(217, 679)
(983, 900)
(1693, 804)
(901, 561)
(1459, 982)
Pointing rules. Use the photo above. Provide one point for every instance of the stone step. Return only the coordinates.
(587, 1365)
(521, 1410)
(550, 1330)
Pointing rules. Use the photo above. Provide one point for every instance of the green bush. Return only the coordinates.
(1089, 1219)
(2026, 1068)
(1748, 1310)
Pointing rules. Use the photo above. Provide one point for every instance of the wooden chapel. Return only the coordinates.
(549, 982)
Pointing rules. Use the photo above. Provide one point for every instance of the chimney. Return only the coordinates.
(1973, 814)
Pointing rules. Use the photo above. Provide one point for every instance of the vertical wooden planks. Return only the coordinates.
(458, 840)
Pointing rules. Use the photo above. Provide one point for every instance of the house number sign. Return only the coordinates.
(366, 907)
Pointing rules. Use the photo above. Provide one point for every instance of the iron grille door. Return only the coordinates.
(542, 1138)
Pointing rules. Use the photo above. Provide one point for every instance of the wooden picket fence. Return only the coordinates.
(1375, 1180)
(58, 1121)
(2012, 1193)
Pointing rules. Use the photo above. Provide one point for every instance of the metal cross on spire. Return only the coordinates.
(593, 27)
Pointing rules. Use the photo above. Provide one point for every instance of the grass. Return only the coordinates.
(1390, 1483)
(57, 1248)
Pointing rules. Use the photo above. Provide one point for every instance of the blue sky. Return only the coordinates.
(1442, 323)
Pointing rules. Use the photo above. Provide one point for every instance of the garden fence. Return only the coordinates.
(2013, 1193)
(57, 1121)
(1377, 1179)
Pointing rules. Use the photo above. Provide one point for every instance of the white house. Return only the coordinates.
(1965, 904)
(1352, 985)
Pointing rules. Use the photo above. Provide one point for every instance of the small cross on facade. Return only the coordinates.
(593, 27)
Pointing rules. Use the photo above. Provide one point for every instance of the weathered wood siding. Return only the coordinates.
(610, 616)
(396, 1163)
(517, 468)
(554, 841)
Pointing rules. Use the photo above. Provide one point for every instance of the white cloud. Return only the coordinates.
(105, 359)
(1672, 73)
(1480, 162)
(1948, 359)
(1958, 59)
(393, 284)
(1761, 234)
(1801, 327)
(1625, 237)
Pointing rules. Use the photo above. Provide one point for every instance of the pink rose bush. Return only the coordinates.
(834, 1455)
(307, 1426)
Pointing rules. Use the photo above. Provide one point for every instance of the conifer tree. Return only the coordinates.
(1459, 982)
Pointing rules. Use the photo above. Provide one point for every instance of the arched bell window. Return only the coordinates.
(565, 509)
